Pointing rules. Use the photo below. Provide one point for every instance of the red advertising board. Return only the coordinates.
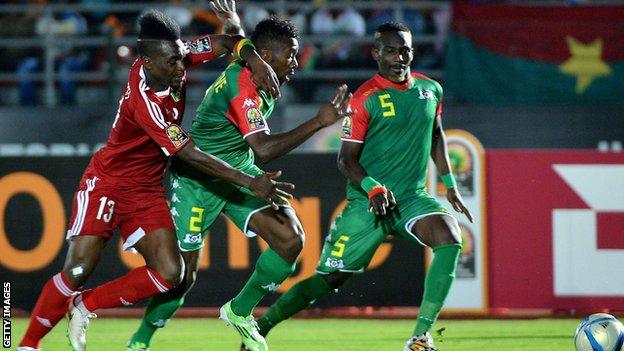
(556, 229)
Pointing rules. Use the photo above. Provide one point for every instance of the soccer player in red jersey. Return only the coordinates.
(122, 185)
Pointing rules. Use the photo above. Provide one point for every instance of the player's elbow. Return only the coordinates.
(263, 155)
(344, 164)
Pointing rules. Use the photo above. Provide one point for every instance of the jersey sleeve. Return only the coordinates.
(354, 128)
(244, 111)
(440, 96)
(170, 137)
(200, 50)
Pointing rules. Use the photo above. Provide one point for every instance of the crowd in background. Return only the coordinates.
(326, 26)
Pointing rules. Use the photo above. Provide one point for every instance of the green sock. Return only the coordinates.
(271, 271)
(296, 299)
(437, 285)
(158, 312)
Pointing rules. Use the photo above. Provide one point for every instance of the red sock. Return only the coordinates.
(138, 284)
(50, 308)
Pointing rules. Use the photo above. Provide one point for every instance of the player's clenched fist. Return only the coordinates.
(266, 188)
(381, 201)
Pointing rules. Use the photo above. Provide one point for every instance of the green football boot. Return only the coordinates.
(246, 327)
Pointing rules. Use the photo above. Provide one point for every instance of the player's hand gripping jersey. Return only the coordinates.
(146, 129)
(395, 123)
(231, 110)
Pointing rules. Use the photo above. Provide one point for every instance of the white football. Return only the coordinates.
(599, 332)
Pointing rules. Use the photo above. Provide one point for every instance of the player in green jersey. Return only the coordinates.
(385, 151)
(230, 123)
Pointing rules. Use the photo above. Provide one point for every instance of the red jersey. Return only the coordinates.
(146, 130)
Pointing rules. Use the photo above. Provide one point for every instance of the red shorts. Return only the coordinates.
(100, 207)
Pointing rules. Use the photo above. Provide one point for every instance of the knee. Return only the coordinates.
(337, 279)
(292, 247)
(77, 273)
(189, 280)
(172, 271)
(450, 233)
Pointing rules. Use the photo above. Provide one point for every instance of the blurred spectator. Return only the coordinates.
(64, 23)
(413, 19)
(252, 14)
(344, 21)
(180, 11)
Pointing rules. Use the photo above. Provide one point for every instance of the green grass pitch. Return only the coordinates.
(108, 334)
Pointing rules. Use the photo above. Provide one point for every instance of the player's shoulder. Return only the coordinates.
(239, 77)
(366, 90)
(423, 79)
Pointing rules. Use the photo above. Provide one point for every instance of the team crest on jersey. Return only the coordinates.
(347, 126)
(200, 45)
(176, 135)
(176, 95)
(425, 95)
(254, 118)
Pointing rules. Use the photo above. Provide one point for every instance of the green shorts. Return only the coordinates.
(196, 205)
(356, 233)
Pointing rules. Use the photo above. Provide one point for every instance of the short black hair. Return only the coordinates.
(389, 27)
(273, 30)
(154, 24)
(153, 27)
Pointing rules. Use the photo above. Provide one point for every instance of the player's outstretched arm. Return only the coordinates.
(225, 10)
(267, 147)
(263, 186)
(439, 154)
(380, 198)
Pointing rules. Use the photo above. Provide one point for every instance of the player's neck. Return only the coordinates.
(154, 84)
(396, 80)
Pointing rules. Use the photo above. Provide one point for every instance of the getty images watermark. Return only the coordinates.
(6, 315)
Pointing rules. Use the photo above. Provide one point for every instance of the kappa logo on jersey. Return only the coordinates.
(425, 95)
(176, 135)
(254, 118)
(249, 103)
(347, 126)
(200, 45)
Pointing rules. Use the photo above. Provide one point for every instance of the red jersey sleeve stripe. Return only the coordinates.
(152, 108)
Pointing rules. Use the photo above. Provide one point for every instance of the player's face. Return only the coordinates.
(394, 55)
(166, 66)
(284, 62)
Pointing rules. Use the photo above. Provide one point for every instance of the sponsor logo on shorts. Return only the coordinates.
(176, 135)
(334, 263)
(192, 238)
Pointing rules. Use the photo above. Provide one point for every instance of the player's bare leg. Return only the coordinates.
(162, 272)
(82, 257)
(442, 234)
(284, 233)
(163, 307)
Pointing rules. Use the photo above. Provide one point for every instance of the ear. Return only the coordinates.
(147, 62)
(375, 53)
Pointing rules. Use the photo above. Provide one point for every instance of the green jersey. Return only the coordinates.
(231, 110)
(395, 124)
